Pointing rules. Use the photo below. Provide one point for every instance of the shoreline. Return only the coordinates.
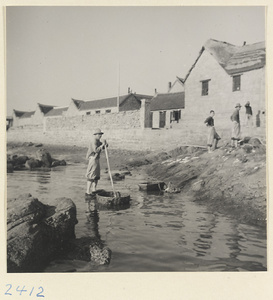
(228, 181)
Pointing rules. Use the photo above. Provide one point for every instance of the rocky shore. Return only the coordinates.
(230, 181)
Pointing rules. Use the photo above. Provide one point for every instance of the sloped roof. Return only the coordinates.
(23, 114)
(56, 111)
(77, 102)
(107, 102)
(168, 101)
(234, 59)
(45, 108)
(246, 58)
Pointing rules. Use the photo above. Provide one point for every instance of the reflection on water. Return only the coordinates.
(156, 233)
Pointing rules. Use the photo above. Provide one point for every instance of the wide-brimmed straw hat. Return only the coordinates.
(238, 105)
(97, 131)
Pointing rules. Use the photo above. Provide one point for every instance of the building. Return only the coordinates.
(166, 109)
(56, 112)
(9, 122)
(105, 106)
(223, 75)
(177, 86)
(22, 118)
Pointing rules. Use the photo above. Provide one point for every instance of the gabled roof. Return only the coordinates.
(56, 111)
(23, 114)
(168, 101)
(107, 102)
(234, 59)
(45, 108)
(77, 102)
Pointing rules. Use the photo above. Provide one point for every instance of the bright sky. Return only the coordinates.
(58, 53)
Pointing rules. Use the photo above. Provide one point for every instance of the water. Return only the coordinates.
(167, 232)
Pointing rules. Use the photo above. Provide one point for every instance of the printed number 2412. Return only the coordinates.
(20, 291)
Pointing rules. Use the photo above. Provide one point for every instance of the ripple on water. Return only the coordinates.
(156, 233)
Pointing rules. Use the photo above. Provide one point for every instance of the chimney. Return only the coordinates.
(128, 90)
(155, 91)
(244, 43)
(170, 85)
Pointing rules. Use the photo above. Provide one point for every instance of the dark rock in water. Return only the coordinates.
(36, 232)
(20, 160)
(9, 167)
(39, 145)
(45, 157)
(33, 164)
(57, 162)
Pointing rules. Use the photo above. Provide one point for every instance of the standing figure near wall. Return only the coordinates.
(249, 122)
(236, 128)
(213, 136)
(93, 157)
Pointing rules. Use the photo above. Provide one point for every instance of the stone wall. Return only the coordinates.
(121, 120)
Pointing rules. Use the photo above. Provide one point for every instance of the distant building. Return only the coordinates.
(177, 86)
(105, 106)
(56, 112)
(22, 118)
(9, 122)
(223, 75)
(166, 109)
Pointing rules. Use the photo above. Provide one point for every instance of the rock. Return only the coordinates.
(57, 162)
(20, 160)
(117, 176)
(33, 164)
(246, 139)
(39, 145)
(36, 232)
(9, 167)
(99, 255)
(247, 148)
(255, 142)
(45, 157)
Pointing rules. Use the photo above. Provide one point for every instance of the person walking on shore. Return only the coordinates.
(236, 128)
(93, 157)
(213, 136)
(248, 115)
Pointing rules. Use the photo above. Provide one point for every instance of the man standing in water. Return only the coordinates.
(93, 157)
(236, 129)
(213, 136)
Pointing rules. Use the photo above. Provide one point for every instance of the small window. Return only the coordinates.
(205, 87)
(108, 111)
(88, 113)
(97, 112)
(236, 83)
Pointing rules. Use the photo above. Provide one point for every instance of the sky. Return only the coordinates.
(54, 54)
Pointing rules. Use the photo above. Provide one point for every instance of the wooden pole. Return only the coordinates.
(108, 164)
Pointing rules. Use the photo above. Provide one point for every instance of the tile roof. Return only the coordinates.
(56, 111)
(23, 114)
(45, 108)
(234, 59)
(168, 101)
(108, 102)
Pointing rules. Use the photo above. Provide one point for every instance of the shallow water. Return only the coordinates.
(167, 232)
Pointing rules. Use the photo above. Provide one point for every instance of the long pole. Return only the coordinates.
(118, 87)
(110, 175)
